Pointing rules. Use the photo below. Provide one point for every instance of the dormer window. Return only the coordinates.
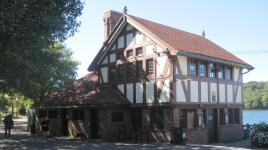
(193, 67)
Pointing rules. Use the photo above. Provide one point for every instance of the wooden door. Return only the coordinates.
(212, 118)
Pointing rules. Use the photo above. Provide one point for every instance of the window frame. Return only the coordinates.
(210, 70)
(206, 68)
(193, 72)
(150, 72)
(230, 68)
(220, 68)
(129, 52)
(139, 49)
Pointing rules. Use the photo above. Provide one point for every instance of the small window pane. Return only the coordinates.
(139, 51)
(193, 67)
(121, 42)
(220, 71)
(212, 70)
(129, 39)
(203, 69)
(131, 70)
(228, 73)
(149, 67)
(129, 53)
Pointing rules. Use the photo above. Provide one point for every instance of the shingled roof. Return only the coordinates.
(185, 41)
(178, 40)
(85, 91)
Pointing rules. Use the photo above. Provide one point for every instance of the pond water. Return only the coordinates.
(255, 116)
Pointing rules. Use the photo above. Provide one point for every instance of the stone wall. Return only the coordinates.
(197, 136)
(230, 133)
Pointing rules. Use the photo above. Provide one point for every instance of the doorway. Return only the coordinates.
(64, 122)
(94, 123)
(212, 118)
(136, 117)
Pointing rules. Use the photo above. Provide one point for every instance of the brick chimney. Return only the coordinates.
(110, 19)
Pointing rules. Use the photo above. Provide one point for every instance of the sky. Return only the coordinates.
(240, 27)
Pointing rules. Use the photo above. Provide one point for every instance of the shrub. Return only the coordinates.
(259, 135)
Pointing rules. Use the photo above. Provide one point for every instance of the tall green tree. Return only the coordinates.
(29, 30)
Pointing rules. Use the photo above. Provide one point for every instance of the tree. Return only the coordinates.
(28, 31)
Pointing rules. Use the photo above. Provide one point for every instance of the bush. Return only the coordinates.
(259, 135)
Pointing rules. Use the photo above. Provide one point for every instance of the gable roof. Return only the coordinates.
(85, 91)
(182, 41)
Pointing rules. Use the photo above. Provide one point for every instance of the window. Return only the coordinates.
(42, 114)
(139, 51)
(203, 69)
(112, 74)
(121, 42)
(231, 116)
(183, 118)
(222, 117)
(136, 119)
(236, 116)
(120, 55)
(131, 70)
(157, 118)
(78, 114)
(139, 69)
(52, 114)
(129, 53)
(121, 72)
(117, 116)
(220, 72)
(212, 70)
(129, 38)
(228, 73)
(149, 67)
(204, 117)
(193, 67)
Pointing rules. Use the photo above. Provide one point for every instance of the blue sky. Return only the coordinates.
(239, 26)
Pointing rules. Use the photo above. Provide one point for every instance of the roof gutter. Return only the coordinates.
(199, 56)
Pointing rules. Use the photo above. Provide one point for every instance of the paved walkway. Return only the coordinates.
(23, 140)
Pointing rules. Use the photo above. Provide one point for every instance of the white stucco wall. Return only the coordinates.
(194, 91)
(213, 88)
(183, 64)
(160, 64)
(222, 93)
(149, 92)
(204, 92)
(159, 49)
(104, 73)
(180, 96)
(165, 95)
(139, 37)
(236, 73)
(149, 49)
(130, 92)
(139, 93)
(230, 93)
(239, 95)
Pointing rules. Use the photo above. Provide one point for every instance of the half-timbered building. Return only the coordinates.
(147, 80)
